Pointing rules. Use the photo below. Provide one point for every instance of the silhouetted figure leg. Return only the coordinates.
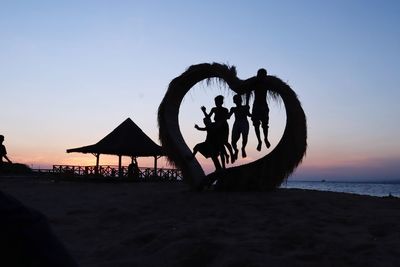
(265, 130)
(209, 150)
(244, 142)
(226, 155)
(195, 150)
(216, 163)
(235, 139)
(26, 238)
(257, 130)
(223, 133)
(229, 147)
(222, 154)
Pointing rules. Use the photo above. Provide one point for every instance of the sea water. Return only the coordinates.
(372, 189)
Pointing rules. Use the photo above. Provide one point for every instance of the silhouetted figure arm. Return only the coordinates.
(5, 156)
(247, 88)
(203, 108)
(248, 111)
(231, 112)
(200, 128)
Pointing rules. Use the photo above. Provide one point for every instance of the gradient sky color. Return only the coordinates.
(71, 71)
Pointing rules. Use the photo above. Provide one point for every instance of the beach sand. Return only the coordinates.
(164, 224)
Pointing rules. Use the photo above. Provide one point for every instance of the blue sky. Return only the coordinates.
(73, 70)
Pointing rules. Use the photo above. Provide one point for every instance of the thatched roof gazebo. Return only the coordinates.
(125, 140)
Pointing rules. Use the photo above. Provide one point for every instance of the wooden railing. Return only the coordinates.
(143, 174)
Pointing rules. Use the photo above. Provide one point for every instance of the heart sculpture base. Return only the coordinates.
(265, 173)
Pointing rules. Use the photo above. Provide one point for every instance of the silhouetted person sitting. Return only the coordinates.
(3, 151)
(240, 126)
(221, 115)
(133, 169)
(211, 147)
(260, 110)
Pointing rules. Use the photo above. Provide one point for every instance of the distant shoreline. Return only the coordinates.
(348, 181)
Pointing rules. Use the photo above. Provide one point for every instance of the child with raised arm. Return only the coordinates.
(221, 116)
(240, 126)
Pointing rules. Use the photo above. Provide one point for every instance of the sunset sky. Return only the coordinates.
(72, 71)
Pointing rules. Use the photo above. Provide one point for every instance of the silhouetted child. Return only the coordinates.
(221, 115)
(3, 151)
(211, 147)
(240, 126)
(260, 111)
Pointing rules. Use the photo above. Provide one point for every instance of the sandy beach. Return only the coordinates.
(164, 224)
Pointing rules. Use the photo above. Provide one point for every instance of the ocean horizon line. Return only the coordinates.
(355, 180)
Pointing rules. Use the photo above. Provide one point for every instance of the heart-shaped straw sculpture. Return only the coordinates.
(265, 173)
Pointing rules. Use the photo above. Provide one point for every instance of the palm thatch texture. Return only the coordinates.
(265, 173)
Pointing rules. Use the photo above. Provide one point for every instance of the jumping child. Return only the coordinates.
(210, 148)
(240, 126)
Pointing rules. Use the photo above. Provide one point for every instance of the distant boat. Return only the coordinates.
(323, 181)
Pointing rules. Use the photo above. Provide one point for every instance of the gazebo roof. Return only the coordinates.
(125, 140)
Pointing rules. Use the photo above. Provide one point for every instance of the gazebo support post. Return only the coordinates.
(96, 170)
(120, 173)
(155, 166)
